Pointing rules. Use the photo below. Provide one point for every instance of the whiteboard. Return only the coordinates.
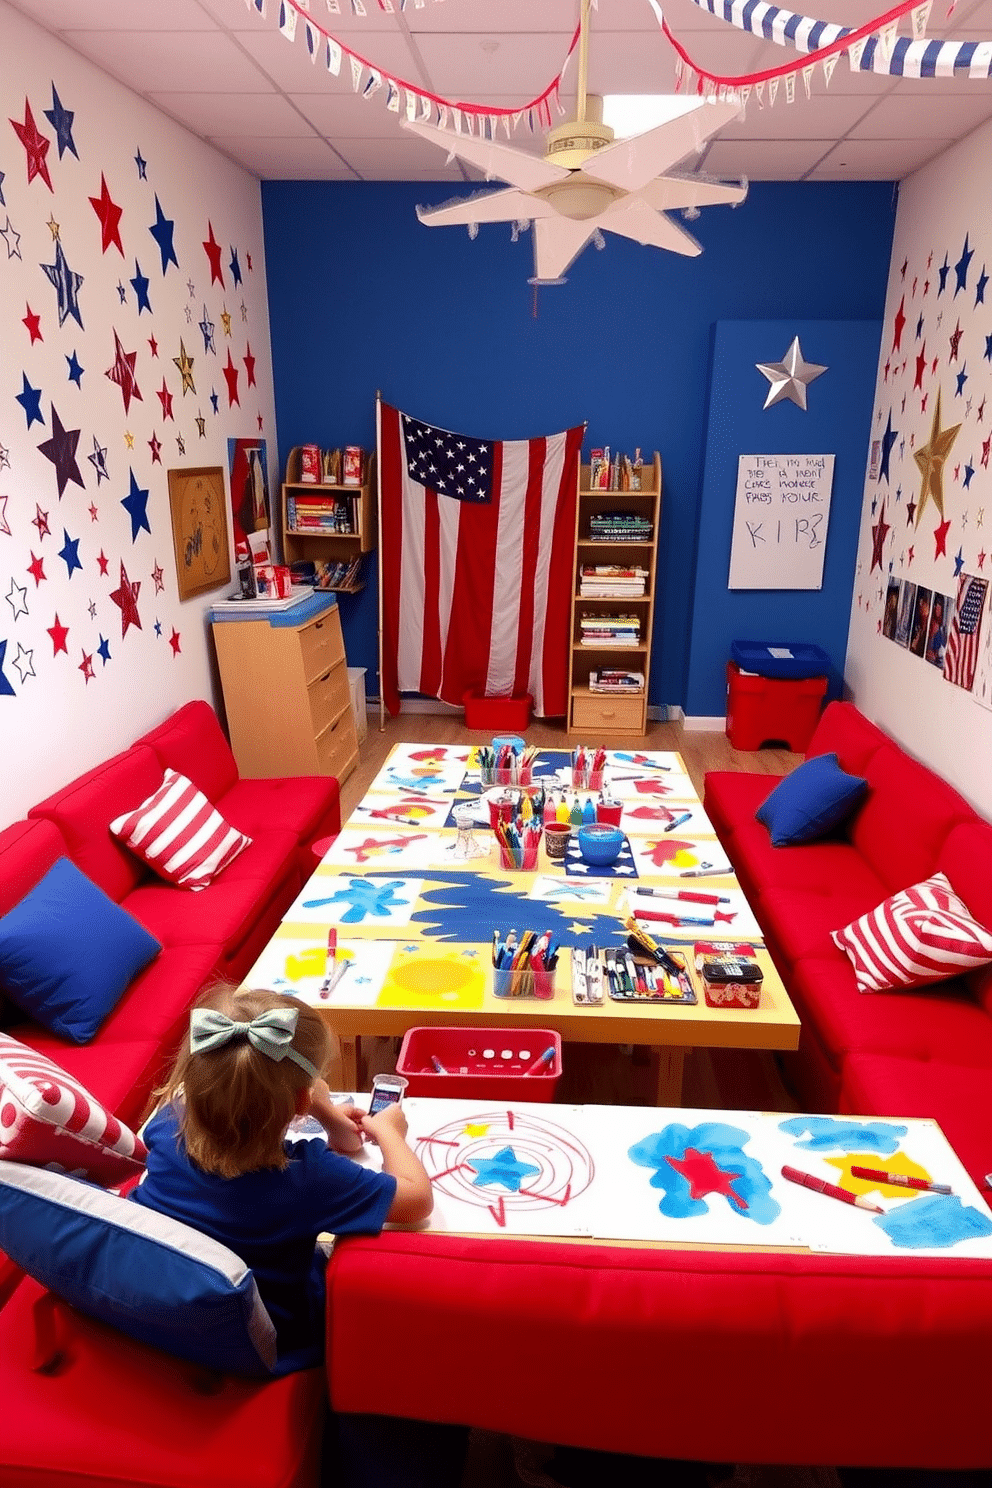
(780, 521)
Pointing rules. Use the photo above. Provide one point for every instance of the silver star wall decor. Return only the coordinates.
(790, 377)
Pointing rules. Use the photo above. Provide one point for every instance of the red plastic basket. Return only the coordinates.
(508, 715)
(480, 1063)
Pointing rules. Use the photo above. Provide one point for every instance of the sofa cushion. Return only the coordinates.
(305, 804)
(84, 809)
(120, 1075)
(67, 952)
(905, 818)
(811, 802)
(149, 1276)
(192, 741)
(966, 857)
(843, 731)
(800, 921)
(180, 835)
(817, 868)
(922, 934)
(730, 797)
(27, 850)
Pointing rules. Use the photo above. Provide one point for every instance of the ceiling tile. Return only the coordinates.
(808, 118)
(875, 160)
(277, 159)
(149, 60)
(288, 63)
(462, 65)
(234, 113)
(764, 160)
(106, 15)
(375, 158)
(901, 117)
(501, 17)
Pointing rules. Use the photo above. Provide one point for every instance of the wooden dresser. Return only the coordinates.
(286, 692)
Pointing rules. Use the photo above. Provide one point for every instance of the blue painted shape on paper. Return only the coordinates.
(506, 1169)
(844, 1132)
(472, 906)
(367, 898)
(934, 1221)
(726, 1146)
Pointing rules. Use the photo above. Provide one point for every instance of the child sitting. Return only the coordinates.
(220, 1157)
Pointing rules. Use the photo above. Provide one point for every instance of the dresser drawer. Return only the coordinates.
(328, 694)
(610, 713)
(321, 644)
(337, 746)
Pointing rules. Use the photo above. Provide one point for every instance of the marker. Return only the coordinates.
(821, 1186)
(674, 919)
(901, 1180)
(706, 872)
(676, 821)
(437, 1066)
(697, 896)
(542, 1059)
(332, 944)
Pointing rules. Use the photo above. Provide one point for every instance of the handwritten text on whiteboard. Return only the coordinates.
(780, 521)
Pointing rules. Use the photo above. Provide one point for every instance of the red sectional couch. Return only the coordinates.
(96, 1399)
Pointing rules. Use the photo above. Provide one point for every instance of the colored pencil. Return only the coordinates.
(900, 1180)
(829, 1190)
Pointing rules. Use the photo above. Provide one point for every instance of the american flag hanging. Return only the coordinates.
(961, 656)
(477, 547)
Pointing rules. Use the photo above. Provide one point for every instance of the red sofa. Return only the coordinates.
(93, 1409)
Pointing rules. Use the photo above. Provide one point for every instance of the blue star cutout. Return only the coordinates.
(969, 471)
(30, 401)
(161, 230)
(66, 286)
(988, 348)
(61, 450)
(505, 1168)
(958, 562)
(75, 370)
(943, 271)
(962, 266)
(962, 378)
(142, 165)
(213, 396)
(135, 503)
(98, 459)
(981, 282)
(919, 327)
(158, 627)
(888, 440)
(69, 553)
(234, 266)
(6, 690)
(207, 328)
(874, 504)
(898, 493)
(103, 650)
(3, 199)
(122, 291)
(61, 119)
(140, 286)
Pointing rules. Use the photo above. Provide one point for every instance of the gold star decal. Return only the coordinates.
(930, 458)
(225, 317)
(201, 426)
(185, 365)
(53, 227)
(476, 1129)
(129, 439)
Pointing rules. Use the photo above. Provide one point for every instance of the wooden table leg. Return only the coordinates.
(349, 1063)
(668, 1090)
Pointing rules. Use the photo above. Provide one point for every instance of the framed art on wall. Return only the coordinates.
(198, 504)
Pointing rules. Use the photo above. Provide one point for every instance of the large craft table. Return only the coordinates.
(419, 922)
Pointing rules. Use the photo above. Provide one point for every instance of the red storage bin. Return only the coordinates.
(474, 1073)
(509, 715)
(760, 709)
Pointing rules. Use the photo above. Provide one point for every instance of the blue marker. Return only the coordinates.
(677, 821)
(542, 1059)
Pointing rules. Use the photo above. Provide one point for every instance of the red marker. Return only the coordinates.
(901, 1180)
(697, 896)
(821, 1186)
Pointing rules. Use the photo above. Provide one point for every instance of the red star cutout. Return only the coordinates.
(153, 346)
(213, 251)
(911, 555)
(923, 402)
(921, 367)
(934, 365)
(248, 261)
(981, 411)
(104, 562)
(899, 324)
(35, 147)
(33, 323)
(957, 473)
(986, 446)
(122, 372)
(174, 642)
(260, 421)
(165, 398)
(705, 1177)
(956, 335)
(86, 666)
(40, 520)
(981, 559)
(910, 511)
(126, 598)
(94, 512)
(886, 371)
(231, 378)
(110, 215)
(879, 533)
(58, 633)
(249, 362)
(36, 569)
(926, 286)
(155, 445)
(662, 852)
(905, 266)
(940, 539)
(158, 578)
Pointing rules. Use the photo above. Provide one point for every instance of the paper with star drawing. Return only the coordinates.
(667, 855)
(653, 818)
(353, 899)
(429, 776)
(298, 967)
(408, 808)
(688, 919)
(368, 847)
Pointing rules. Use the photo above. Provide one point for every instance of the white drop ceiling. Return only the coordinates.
(228, 75)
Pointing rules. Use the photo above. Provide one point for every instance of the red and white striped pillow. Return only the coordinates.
(922, 934)
(51, 1121)
(180, 835)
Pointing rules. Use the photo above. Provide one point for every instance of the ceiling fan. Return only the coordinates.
(587, 181)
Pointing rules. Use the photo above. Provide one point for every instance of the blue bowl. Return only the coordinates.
(600, 844)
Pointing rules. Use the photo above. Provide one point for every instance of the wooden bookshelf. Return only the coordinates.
(608, 713)
(300, 545)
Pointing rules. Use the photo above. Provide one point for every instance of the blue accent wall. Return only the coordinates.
(362, 296)
(837, 421)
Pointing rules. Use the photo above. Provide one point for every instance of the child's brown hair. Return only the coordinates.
(234, 1103)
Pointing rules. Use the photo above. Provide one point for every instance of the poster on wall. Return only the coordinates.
(249, 468)
(781, 516)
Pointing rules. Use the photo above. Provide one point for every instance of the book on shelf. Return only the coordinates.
(322, 514)
(616, 681)
(611, 581)
(621, 473)
(342, 575)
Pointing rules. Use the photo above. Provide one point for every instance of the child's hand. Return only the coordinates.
(343, 1124)
(390, 1121)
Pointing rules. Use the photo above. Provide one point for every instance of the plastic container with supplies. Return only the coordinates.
(481, 1063)
(763, 709)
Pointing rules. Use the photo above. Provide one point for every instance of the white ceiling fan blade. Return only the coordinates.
(671, 192)
(557, 241)
(510, 205)
(632, 163)
(528, 172)
(634, 218)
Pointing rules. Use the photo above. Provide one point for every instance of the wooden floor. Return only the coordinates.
(719, 1078)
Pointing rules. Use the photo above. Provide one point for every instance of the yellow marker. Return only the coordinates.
(563, 814)
(526, 808)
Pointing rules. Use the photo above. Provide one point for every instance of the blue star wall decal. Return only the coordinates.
(969, 471)
(214, 399)
(30, 400)
(958, 562)
(75, 370)
(140, 286)
(234, 266)
(207, 329)
(69, 553)
(943, 271)
(980, 284)
(962, 266)
(3, 199)
(158, 627)
(122, 291)
(919, 327)
(962, 378)
(888, 440)
(66, 286)
(103, 650)
(6, 690)
(98, 459)
(61, 450)
(135, 503)
(142, 165)
(161, 230)
(61, 119)
(505, 1168)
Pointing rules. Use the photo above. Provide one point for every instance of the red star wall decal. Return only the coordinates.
(213, 252)
(122, 372)
(35, 147)
(109, 214)
(981, 559)
(921, 367)
(900, 322)
(986, 445)
(956, 335)
(910, 555)
(155, 445)
(158, 578)
(231, 378)
(33, 323)
(94, 512)
(879, 533)
(126, 599)
(940, 539)
(86, 666)
(165, 398)
(249, 361)
(58, 633)
(36, 569)
(248, 261)
(705, 1177)
(174, 642)
(104, 562)
(40, 520)
(153, 346)
(260, 421)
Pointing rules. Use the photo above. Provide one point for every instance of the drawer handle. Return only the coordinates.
(609, 713)
(319, 625)
(326, 675)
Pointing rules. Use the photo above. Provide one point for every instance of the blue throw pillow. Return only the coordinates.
(149, 1276)
(68, 952)
(810, 802)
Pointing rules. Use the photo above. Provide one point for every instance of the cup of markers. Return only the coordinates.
(587, 768)
(518, 842)
(524, 966)
(506, 765)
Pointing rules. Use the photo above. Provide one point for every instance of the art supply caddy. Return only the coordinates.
(505, 1064)
(524, 966)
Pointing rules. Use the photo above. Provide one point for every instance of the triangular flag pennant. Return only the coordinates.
(287, 21)
(313, 41)
(259, 5)
(772, 91)
(470, 122)
(418, 4)
(558, 103)
(517, 117)
(506, 124)
(357, 8)
(808, 80)
(456, 119)
(919, 18)
(442, 117)
(759, 93)
(745, 95)
(426, 110)
(333, 57)
(790, 87)
(303, 5)
(374, 83)
(386, 5)
(887, 40)
(829, 63)
(679, 74)
(411, 105)
(356, 72)
(855, 53)
(392, 97)
(333, 6)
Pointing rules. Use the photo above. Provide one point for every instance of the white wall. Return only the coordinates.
(54, 721)
(942, 723)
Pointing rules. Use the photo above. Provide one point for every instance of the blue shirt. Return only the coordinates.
(271, 1219)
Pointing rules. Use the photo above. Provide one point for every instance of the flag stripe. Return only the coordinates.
(390, 552)
(529, 563)
(473, 564)
(430, 660)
